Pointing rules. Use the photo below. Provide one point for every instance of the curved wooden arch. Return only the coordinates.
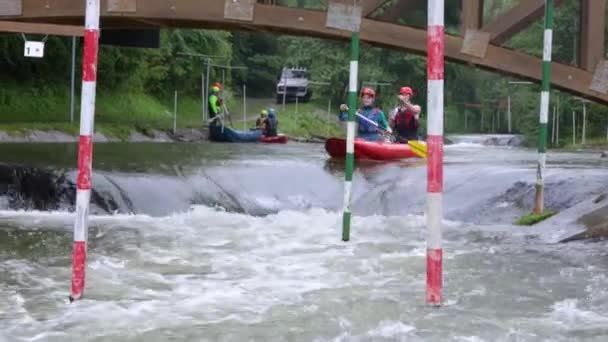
(210, 14)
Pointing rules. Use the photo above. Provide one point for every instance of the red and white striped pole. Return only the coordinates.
(85, 149)
(435, 62)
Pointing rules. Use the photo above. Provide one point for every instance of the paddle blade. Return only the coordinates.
(418, 147)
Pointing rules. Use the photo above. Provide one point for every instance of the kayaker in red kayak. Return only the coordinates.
(365, 129)
(271, 124)
(406, 117)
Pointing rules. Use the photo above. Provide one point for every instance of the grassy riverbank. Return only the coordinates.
(590, 144)
(118, 114)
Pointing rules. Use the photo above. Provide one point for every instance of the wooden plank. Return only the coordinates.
(517, 19)
(10, 7)
(35, 28)
(56, 8)
(471, 16)
(593, 20)
(275, 18)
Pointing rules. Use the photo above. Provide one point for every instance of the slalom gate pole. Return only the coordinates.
(539, 200)
(244, 106)
(435, 71)
(73, 80)
(350, 135)
(85, 149)
(175, 112)
(203, 107)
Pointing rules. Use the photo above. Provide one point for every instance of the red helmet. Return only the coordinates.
(218, 84)
(368, 91)
(406, 91)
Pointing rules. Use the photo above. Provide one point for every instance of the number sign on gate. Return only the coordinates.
(34, 49)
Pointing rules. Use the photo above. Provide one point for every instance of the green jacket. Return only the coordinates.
(214, 106)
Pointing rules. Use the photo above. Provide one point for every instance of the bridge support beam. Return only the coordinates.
(35, 28)
(593, 20)
(471, 17)
(515, 20)
(209, 14)
(370, 6)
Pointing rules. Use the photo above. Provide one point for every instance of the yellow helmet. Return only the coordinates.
(264, 112)
(215, 89)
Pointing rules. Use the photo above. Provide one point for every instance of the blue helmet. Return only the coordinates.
(272, 112)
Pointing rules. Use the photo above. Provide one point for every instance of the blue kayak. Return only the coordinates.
(227, 134)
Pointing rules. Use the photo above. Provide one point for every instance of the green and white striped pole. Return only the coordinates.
(539, 202)
(350, 134)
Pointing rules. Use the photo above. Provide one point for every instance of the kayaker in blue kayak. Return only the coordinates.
(259, 123)
(406, 117)
(365, 129)
(271, 124)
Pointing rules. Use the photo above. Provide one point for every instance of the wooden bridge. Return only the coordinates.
(478, 43)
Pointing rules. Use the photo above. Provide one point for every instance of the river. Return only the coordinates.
(242, 243)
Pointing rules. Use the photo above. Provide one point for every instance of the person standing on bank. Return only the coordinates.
(215, 106)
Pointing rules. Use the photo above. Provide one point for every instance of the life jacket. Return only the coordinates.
(406, 125)
(372, 114)
(270, 129)
(259, 122)
(214, 100)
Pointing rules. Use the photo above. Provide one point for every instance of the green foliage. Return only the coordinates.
(260, 53)
(50, 104)
(532, 219)
(310, 120)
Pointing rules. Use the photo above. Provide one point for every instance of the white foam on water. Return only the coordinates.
(468, 339)
(210, 264)
(568, 313)
(503, 205)
(238, 274)
(464, 145)
(391, 329)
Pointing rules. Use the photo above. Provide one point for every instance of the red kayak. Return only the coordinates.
(279, 139)
(370, 150)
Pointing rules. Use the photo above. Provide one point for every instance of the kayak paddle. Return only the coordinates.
(418, 147)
